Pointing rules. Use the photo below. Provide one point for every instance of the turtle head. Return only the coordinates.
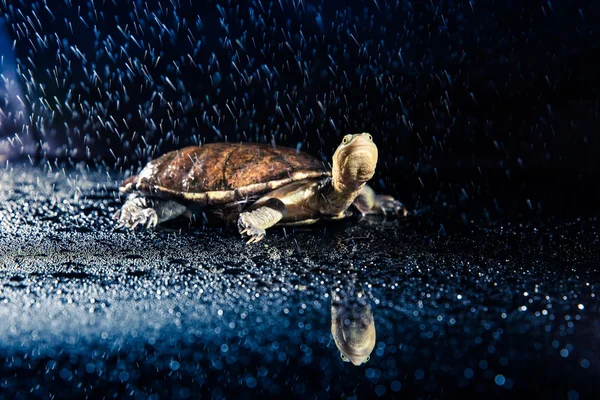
(354, 160)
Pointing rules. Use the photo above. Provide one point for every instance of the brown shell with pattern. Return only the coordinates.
(221, 173)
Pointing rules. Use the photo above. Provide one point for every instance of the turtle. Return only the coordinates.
(256, 186)
(353, 327)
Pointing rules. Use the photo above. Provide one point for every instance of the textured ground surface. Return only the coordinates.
(471, 308)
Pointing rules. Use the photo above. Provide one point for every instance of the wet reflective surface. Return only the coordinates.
(437, 309)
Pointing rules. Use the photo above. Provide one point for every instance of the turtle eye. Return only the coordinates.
(346, 139)
(368, 358)
(344, 358)
(370, 137)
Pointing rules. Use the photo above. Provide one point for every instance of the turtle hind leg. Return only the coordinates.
(369, 202)
(255, 223)
(147, 212)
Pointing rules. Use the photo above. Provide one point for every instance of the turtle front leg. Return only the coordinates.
(369, 202)
(147, 212)
(255, 223)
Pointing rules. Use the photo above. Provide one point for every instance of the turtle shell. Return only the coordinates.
(220, 173)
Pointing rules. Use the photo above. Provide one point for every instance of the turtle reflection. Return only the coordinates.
(352, 324)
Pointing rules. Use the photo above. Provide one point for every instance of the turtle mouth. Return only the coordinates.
(357, 359)
(361, 145)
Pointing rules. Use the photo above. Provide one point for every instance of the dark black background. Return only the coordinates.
(491, 107)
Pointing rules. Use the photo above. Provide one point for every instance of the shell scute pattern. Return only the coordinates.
(222, 172)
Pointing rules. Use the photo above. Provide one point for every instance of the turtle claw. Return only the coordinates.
(132, 218)
(256, 234)
(152, 220)
(255, 239)
(246, 228)
(117, 216)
